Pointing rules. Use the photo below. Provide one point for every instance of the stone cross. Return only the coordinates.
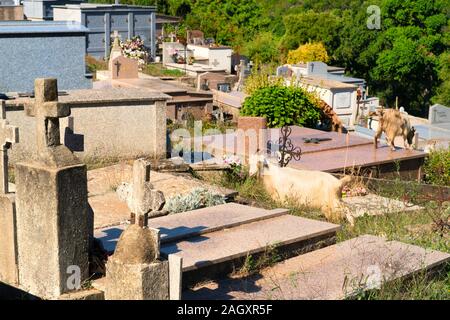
(47, 110)
(116, 42)
(143, 198)
(8, 135)
(240, 70)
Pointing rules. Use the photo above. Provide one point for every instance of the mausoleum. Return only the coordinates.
(103, 19)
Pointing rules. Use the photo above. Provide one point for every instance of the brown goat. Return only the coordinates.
(393, 123)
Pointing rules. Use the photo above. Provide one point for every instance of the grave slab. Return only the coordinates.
(332, 273)
(344, 152)
(194, 223)
(202, 251)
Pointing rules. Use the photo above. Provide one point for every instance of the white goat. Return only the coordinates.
(315, 189)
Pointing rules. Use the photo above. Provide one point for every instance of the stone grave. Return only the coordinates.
(342, 153)
(336, 272)
(135, 270)
(53, 221)
(124, 68)
(439, 115)
(120, 66)
(238, 230)
(107, 205)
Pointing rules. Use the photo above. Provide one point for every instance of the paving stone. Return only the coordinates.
(334, 272)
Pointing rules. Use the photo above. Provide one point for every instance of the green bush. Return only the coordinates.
(196, 199)
(282, 105)
(437, 167)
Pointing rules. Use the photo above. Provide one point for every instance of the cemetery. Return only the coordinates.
(216, 181)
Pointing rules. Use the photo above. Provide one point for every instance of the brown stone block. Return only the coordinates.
(124, 68)
(137, 281)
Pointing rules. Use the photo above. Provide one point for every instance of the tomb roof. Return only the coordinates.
(94, 96)
(102, 7)
(326, 82)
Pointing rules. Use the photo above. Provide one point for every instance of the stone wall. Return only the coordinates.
(11, 13)
(102, 130)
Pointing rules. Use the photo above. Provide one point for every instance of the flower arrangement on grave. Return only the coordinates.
(134, 48)
(236, 172)
(191, 60)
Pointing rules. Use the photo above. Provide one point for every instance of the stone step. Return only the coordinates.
(335, 272)
(215, 254)
(194, 223)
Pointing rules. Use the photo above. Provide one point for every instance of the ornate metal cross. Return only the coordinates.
(286, 148)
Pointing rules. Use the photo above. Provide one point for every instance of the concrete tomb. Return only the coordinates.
(439, 115)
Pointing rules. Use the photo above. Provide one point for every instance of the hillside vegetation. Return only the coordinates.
(407, 57)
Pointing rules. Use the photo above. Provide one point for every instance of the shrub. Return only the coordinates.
(237, 173)
(197, 198)
(282, 105)
(437, 167)
(261, 77)
(93, 64)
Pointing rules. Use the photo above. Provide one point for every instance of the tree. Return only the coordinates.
(443, 91)
(308, 52)
(263, 49)
(311, 26)
(261, 77)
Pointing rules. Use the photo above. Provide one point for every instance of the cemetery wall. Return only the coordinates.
(101, 130)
